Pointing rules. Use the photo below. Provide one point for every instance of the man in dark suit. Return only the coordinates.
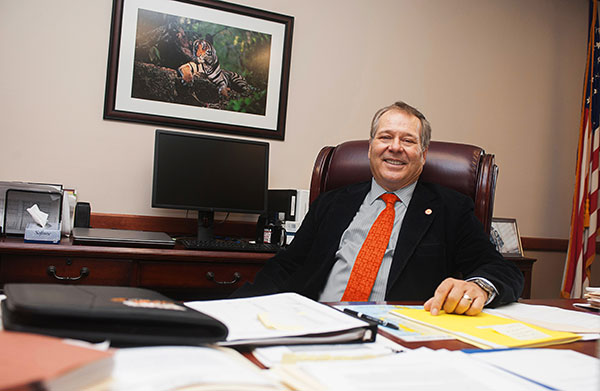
(437, 249)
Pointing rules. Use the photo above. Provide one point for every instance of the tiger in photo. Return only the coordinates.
(206, 61)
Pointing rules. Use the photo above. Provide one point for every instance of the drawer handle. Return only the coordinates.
(84, 272)
(236, 277)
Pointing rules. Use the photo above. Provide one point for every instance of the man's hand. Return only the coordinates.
(457, 296)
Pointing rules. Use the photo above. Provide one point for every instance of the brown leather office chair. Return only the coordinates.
(465, 168)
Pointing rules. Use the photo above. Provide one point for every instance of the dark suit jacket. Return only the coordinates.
(448, 242)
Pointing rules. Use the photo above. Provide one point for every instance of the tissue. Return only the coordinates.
(38, 216)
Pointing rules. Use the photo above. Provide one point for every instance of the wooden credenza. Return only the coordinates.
(179, 273)
(525, 264)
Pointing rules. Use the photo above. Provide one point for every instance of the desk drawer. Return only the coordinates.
(209, 276)
(41, 269)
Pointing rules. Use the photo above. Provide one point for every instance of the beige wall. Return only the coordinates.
(505, 75)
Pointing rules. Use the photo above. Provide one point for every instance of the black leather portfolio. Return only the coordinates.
(124, 315)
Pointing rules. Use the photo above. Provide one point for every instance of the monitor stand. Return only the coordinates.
(205, 226)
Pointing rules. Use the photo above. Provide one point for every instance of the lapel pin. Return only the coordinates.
(428, 212)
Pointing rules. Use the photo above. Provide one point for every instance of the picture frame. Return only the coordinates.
(505, 236)
(161, 66)
(17, 201)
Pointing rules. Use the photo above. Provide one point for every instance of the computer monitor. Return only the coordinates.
(209, 174)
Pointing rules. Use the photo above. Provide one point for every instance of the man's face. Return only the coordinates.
(395, 154)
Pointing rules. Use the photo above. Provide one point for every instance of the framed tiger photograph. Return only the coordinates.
(199, 64)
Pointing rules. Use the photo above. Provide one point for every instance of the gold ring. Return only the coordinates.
(467, 297)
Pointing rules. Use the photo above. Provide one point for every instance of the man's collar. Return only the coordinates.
(404, 194)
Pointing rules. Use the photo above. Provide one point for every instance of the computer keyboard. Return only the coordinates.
(229, 245)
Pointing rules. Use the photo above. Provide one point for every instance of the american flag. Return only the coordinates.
(584, 217)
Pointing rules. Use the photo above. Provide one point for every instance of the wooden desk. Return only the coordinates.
(179, 273)
(591, 348)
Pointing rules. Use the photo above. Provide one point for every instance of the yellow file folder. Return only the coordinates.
(489, 331)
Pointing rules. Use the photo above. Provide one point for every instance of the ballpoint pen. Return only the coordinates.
(381, 322)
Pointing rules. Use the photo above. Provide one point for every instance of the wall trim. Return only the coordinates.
(545, 244)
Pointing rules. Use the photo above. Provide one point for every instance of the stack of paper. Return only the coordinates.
(558, 369)
(593, 297)
(187, 367)
(425, 370)
(553, 318)
(289, 354)
(488, 331)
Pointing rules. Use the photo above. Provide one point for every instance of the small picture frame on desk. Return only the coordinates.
(506, 238)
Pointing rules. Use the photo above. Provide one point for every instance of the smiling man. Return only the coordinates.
(395, 237)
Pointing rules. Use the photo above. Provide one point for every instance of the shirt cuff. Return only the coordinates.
(487, 286)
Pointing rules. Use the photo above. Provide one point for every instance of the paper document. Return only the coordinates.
(408, 330)
(417, 370)
(273, 355)
(559, 369)
(284, 318)
(552, 318)
(175, 367)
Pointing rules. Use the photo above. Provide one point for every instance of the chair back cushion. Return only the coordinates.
(449, 164)
(462, 167)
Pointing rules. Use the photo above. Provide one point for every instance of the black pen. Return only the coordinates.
(380, 322)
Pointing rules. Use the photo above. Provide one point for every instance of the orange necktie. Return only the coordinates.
(371, 253)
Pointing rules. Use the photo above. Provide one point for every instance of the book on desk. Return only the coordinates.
(31, 361)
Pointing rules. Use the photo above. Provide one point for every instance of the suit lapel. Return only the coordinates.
(339, 218)
(335, 220)
(423, 208)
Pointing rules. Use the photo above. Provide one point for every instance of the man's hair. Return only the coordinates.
(401, 106)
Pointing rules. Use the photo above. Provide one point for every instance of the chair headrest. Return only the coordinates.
(452, 165)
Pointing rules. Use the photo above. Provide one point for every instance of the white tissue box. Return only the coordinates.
(36, 234)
